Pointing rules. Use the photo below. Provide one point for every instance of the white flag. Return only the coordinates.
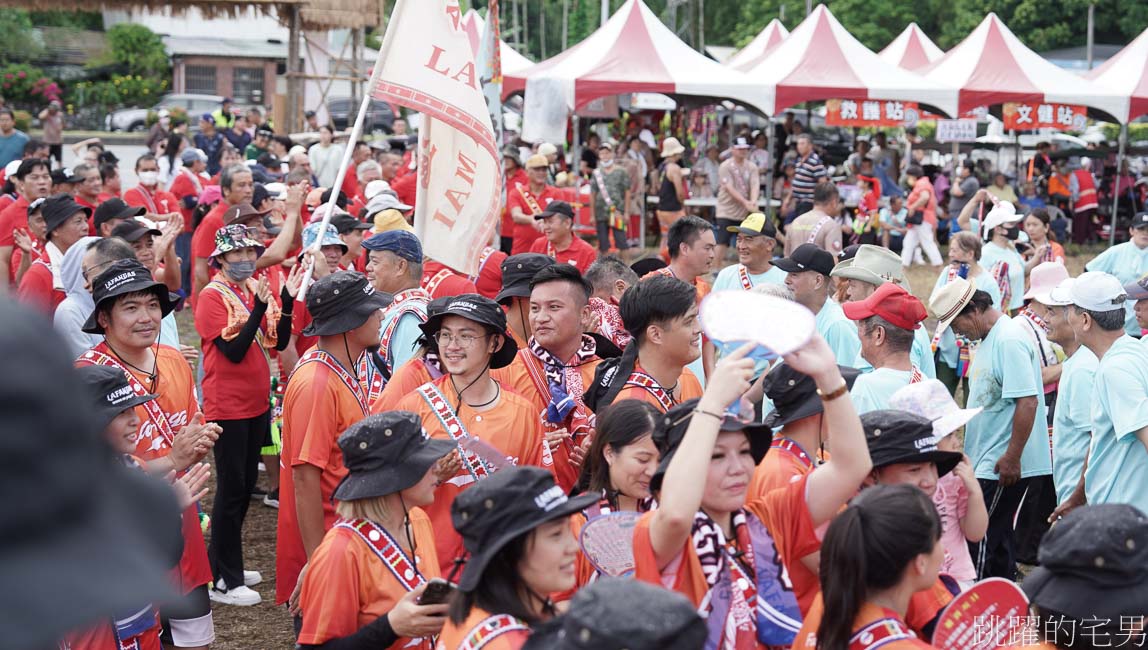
(427, 64)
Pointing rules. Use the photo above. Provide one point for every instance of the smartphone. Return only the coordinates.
(437, 592)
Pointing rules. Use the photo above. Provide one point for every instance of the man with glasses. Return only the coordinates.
(33, 180)
(467, 403)
(86, 260)
(91, 184)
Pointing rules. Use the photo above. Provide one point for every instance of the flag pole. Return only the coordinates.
(348, 151)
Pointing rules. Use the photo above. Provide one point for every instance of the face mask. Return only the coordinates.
(165, 121)
(1013, 233)
(149, 178)
(240, 271)
(608, 163)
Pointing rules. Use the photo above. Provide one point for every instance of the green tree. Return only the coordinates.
(18, 40)
(138, 49)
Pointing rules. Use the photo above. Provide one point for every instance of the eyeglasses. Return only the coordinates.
(464, 340)
(94, 271)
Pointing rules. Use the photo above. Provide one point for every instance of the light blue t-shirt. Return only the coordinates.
(402, 345)
(1127, 263)
(1072, 421)
(871, 390)
(839, 332)
(1005, 368)
(920, 355)
(169, 331)
(1118, 463)
(729, 278)
(991, 254)
(12, 146)
(947, 346)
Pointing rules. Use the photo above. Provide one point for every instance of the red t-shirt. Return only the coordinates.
(183, 186)
(157, 202)
(439, 281)
(579, 254)
(489, 280)
(512, 182)
(231, 391)
(203, 242)
(526, 233)
(36, 286)
(351, 183)
(406, 188)
(92, 212)
(13, 217)
(300, 319)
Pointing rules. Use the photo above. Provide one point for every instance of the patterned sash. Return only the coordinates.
(642, 380)
(615, 219)
(531, 202)
(785, 445)
(817, 229)
(151, 207)
(405, 302)
(915, 375)
(380, 541)
(879, 633)
(436, 280)
(315, 355)
(474, 464)
(238, 313)
(1000, 274)
(743, 275)
(94, 357)
(490, 629)
(372, 378)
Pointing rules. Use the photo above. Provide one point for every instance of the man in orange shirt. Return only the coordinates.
(556, 364)
(526, 201)
(129, 306)
(661, 315)
(559, 241)
(517, 273)
(467, 403)
(692, 253)
(324, 396)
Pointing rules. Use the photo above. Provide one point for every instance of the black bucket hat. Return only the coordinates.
(123, 277)
(518, 271)
(59, 208)
(386, 453)
(902, 437)
(342, 301)
(794, 394)
(672, 427)
(110, 392)
(1093, 563)
(623, 613)
(77, 502)
(498, 509)
(479, 309)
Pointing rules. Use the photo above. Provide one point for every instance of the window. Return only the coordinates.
(199, 79)
(247, 85)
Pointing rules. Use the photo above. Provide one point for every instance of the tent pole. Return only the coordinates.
(769, 172)
(1116, 183)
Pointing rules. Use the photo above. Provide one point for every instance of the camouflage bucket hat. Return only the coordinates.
(232, 238)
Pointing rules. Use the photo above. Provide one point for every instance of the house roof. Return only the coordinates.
(224, 47)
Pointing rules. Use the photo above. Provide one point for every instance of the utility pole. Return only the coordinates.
(1091, 26)
(565, 22)
(808, 7)
(605, 12)
(542, 29)
(702, 26)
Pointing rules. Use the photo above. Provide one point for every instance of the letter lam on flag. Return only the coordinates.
(427, 65)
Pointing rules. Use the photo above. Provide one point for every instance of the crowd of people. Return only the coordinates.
(472, 460)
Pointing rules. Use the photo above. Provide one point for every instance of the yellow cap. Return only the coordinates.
(537, 160)
(754, 224)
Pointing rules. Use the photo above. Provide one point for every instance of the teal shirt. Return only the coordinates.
(1072, 421)
(403, 344)
(1127, 263)
(838, 331)
(169, 331)
(991, 254)
(871, 390)
(1118, 463)
(1005, 368)
(921, 355)
(947, 346)
(729, 278)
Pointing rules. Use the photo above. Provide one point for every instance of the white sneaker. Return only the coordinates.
(251, 578)
(241, 596)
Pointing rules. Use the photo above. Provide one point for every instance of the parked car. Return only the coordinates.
(135, 119)
(380, 115)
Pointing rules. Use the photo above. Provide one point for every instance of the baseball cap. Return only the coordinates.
(902, 437)
(208, 117)
(547, 149)
(536, 161)
(386, 200)
(277, 191)
(1002, 213)
(191, 154)
(1137, 289)
(375, 188)
(1097, 291)
(890, 302)
(1140, 220)
(131, 230)
(400, 242)
(115, 208)
(345, 223)
(741, 143)
(807, 257)
(753, 225)
(556, 208)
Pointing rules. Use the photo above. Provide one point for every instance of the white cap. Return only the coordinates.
(1061, 294)
(11, 168)
(1003, 212)
(1097, 291)
(296, 149)
(276, 191)
(547, 149)
(375, 188)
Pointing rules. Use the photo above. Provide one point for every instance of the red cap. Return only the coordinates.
(890, 302)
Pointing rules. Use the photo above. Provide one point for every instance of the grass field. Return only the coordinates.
(266, 626)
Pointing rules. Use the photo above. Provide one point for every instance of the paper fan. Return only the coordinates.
(731, 318)
(608, 542)
(991, 614)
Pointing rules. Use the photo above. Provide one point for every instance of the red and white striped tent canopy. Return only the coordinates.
(912, 49)
(512, 61)
(1127, 74)
(635, 52)
(992, 66)
(821, 60)
(773, 34)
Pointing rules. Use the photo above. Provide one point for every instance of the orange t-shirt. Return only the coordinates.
(688, 384)
(701, 286)
(516, 377)
(317, 407)
(406, 379)
(348, 585)
(786, 517)
(780, 467)
(869, 613)
(511, 426)
(175, 390)
(510, 637)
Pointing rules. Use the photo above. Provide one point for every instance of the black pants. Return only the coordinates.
(506, 244)
(56, 151)
(802, 208)
(236, 470)
(995, 555)
(1032, 519)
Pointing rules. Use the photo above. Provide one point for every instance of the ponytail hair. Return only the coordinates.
(867, 549)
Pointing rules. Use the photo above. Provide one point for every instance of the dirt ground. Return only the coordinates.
(267, 626)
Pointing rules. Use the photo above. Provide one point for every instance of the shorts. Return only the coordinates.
(722, 234)
(667, 219)
(187, 622)
(604, 231)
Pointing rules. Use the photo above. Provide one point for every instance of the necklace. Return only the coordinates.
(497, 394)
(151, 376)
